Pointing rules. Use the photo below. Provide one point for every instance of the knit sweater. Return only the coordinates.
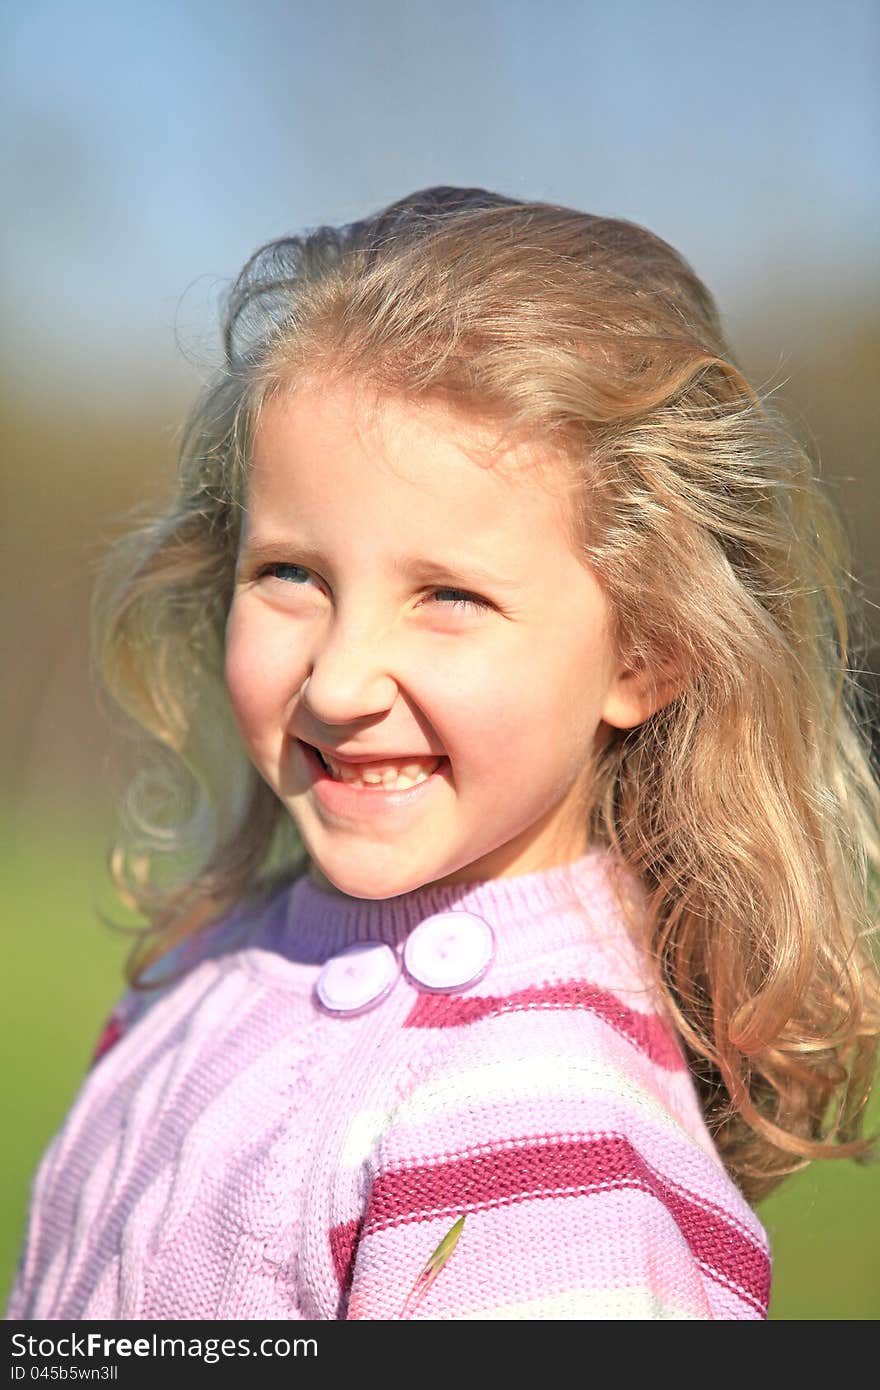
(238, 1152)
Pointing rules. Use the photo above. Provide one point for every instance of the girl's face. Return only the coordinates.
(397, 598)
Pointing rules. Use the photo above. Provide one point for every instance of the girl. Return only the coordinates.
(507, 845)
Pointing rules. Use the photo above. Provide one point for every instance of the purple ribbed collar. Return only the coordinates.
(544, 909)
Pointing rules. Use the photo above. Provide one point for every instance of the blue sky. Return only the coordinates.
(151, 147)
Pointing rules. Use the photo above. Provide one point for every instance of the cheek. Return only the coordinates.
(255, 681)
(493, 720)
(540, 710)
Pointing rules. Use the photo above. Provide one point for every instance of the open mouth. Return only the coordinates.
(403, 776)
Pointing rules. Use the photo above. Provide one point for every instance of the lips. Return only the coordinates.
(366, 760)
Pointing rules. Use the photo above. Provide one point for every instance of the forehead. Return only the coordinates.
(341, 450)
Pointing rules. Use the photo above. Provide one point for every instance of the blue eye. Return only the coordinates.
(469, 601)
(463, 599)
(279, 565)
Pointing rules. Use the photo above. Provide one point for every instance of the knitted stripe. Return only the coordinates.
(110, 1034)
(649, 1033)
(595, 1305)
(617, 1239)
(565, 1081)
(551, 1166)
(343, 1246)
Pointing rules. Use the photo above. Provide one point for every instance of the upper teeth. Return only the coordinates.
(389, 775)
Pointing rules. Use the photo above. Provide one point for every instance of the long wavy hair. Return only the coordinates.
(748, 805)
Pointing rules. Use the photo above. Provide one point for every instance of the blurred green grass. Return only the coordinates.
(64, 972)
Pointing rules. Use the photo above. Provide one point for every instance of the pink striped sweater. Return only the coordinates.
(236, 1152)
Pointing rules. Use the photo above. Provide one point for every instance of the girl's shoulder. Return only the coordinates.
(227, 934)
(566, 1116)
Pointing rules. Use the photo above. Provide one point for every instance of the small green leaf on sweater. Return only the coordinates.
(433, 1267)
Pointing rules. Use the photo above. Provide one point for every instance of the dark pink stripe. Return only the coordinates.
(343, 1244)
(569, 1167)
(651, 1034)
(111, 1034)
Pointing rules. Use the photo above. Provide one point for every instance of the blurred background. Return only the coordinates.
(150, 148)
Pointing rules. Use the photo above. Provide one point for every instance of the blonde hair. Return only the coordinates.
(747, 804)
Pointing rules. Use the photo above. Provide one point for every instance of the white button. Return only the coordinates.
(358, 978)
(449, 951)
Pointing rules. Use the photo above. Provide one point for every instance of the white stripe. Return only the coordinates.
(362, 1135)
(584, 1303)
(556, 1076)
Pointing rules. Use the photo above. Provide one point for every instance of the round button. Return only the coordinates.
(358, 978)
(449, 951)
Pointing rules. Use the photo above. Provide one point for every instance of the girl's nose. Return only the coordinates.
(350, 677)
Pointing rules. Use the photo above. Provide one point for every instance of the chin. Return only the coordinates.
(369, 885)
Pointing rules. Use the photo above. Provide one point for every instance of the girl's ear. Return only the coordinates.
(636, 693)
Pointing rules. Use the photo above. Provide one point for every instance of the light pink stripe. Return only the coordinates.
(499, 1123)
(649, 1033)
(619, 1239)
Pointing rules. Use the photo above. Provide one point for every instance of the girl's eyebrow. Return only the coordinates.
(459, 570)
